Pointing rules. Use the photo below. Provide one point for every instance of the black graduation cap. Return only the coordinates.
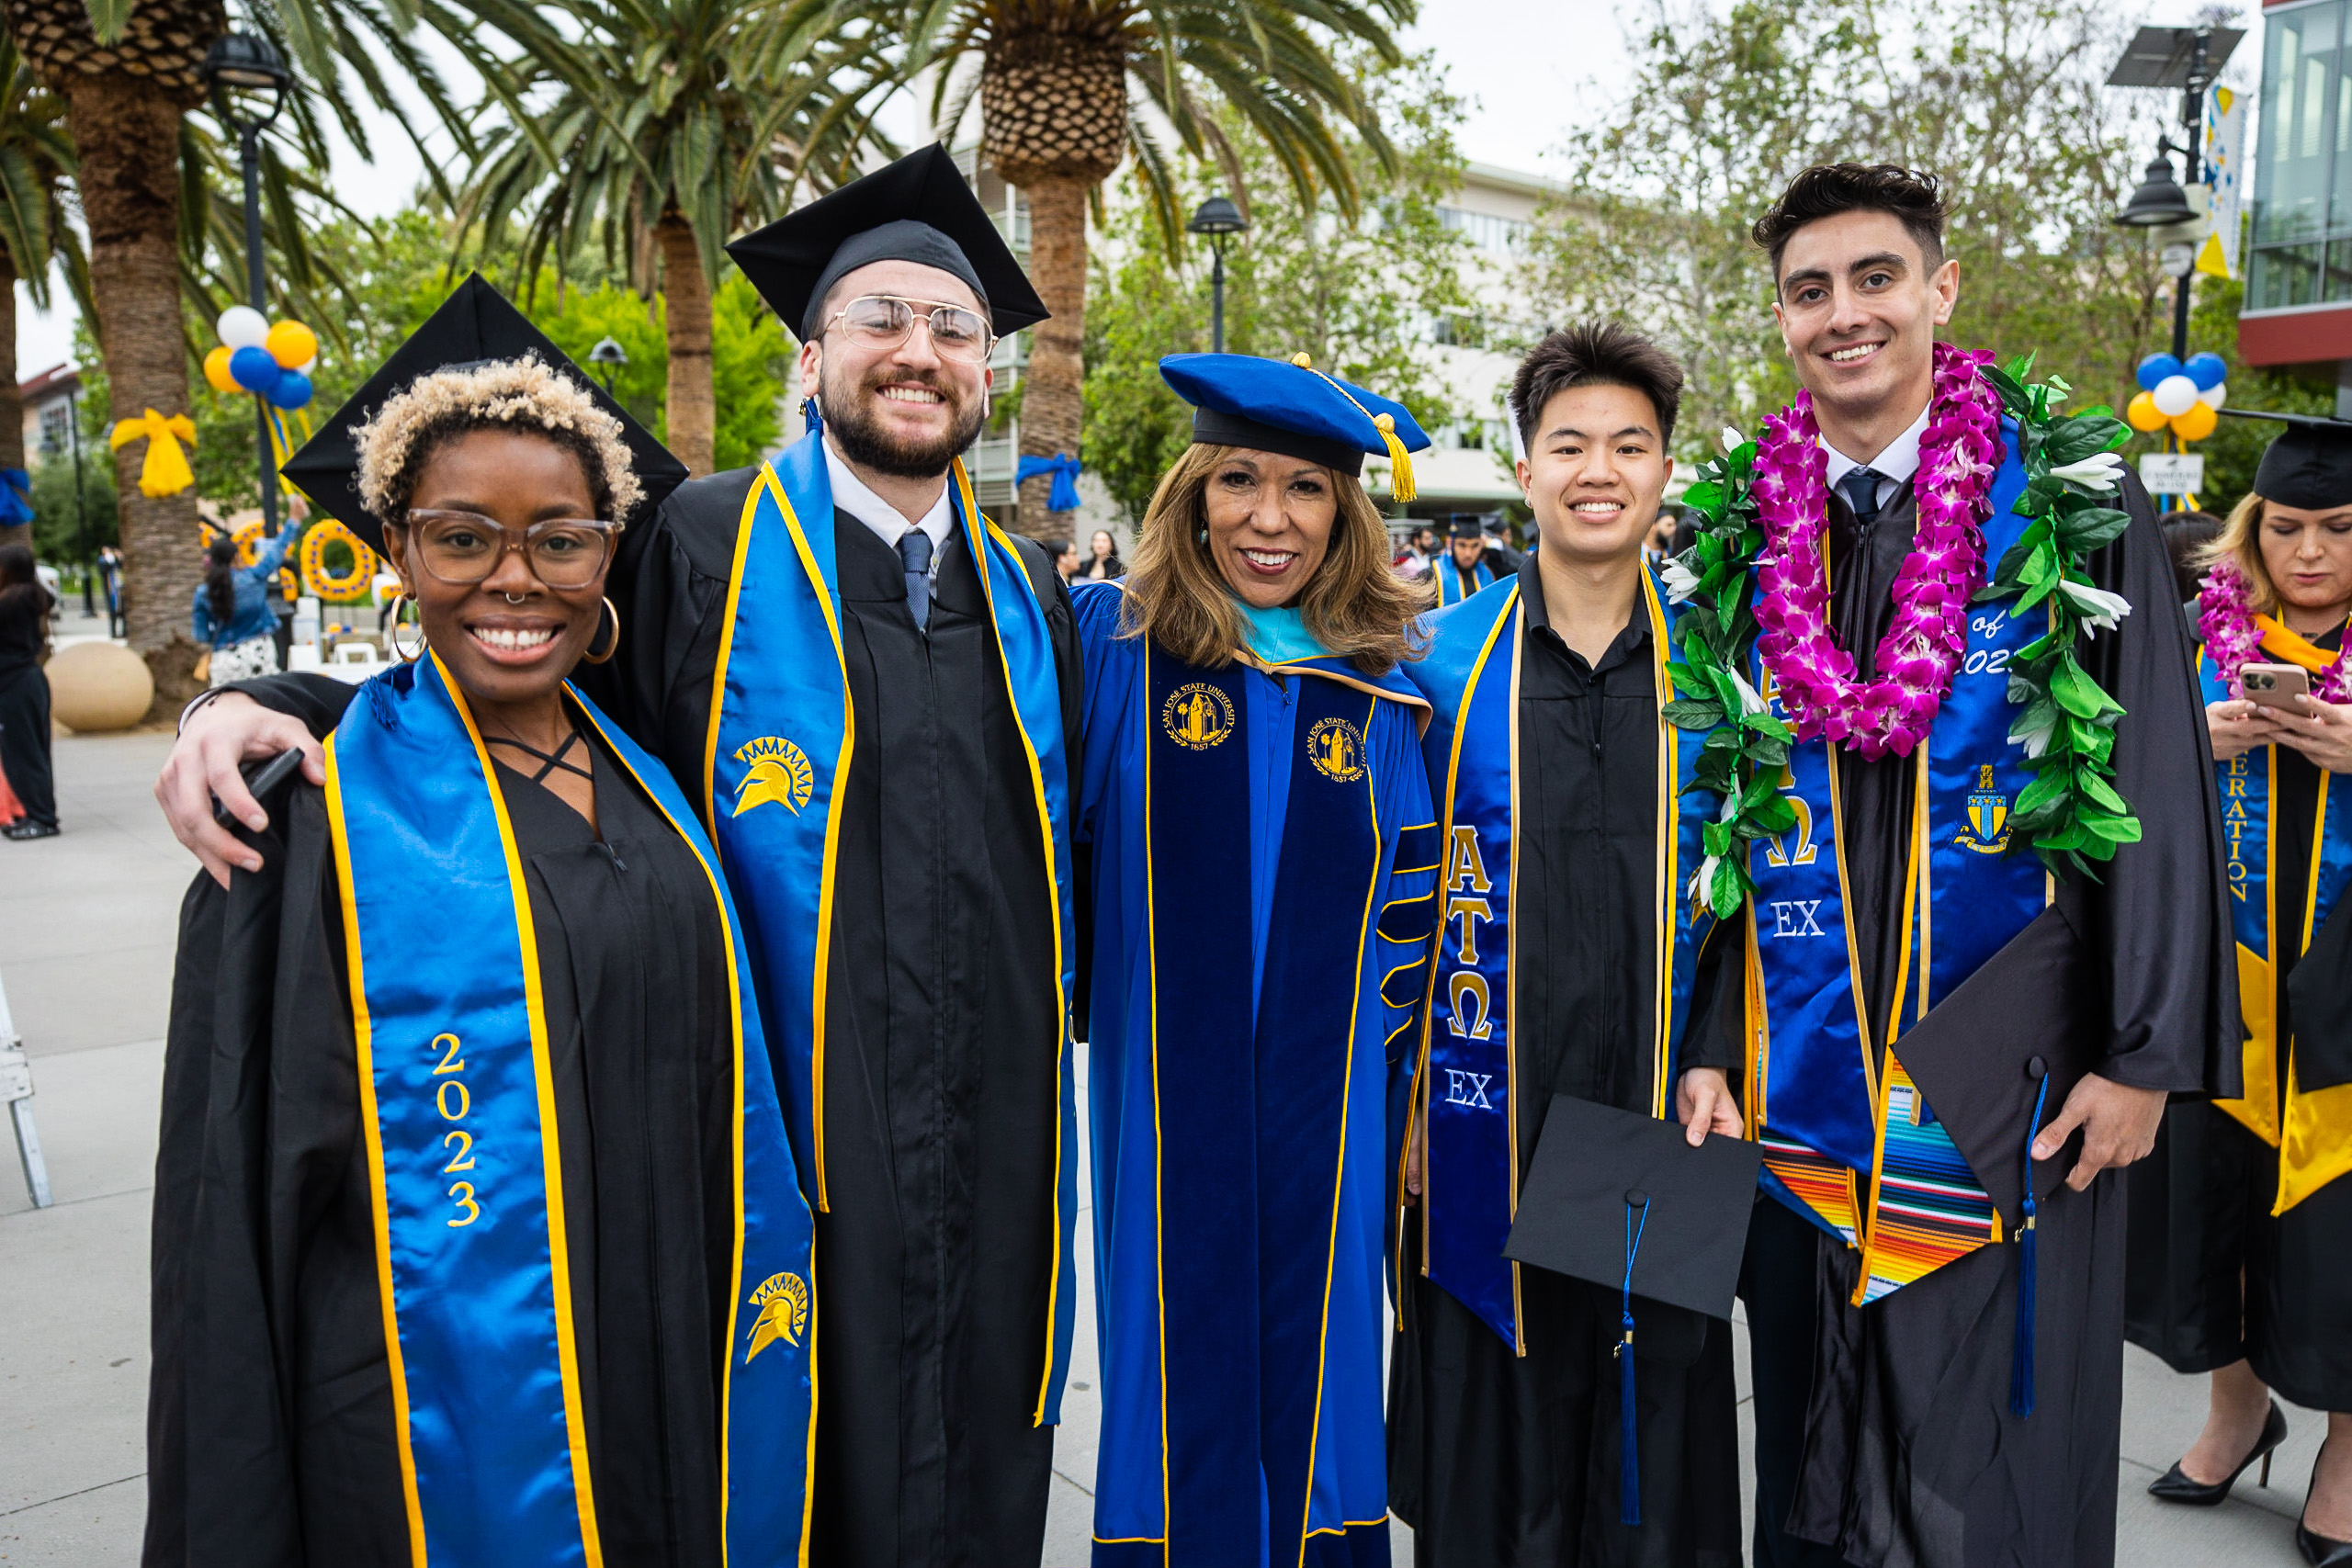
(1466, 526)
(1983, 1053)
(917, 210)
(475, 325)
(1624, 1202)
(2310, 466)
(1597, 1167)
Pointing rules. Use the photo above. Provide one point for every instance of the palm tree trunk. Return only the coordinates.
(12, 407)
(686, 293)
(1052, 406)
(127, 136)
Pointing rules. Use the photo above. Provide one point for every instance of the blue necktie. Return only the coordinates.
(1859, 488)
(914, 550)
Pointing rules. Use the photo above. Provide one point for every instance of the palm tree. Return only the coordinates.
(1059, 81)
(655, 129)
(36, 161)
(128, 71)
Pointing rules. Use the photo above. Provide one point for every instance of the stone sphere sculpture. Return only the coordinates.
(97, 686)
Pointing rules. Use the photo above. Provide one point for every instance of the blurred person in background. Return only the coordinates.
(25, 607)
(1102, 563)
(1067, 560)
(235, 615)
(2187, 535)
(2241, 1222)
(1467, 564)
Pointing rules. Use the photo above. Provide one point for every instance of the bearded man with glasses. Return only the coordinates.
(861, 686)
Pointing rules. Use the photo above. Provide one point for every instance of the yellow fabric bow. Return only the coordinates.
(165, 471)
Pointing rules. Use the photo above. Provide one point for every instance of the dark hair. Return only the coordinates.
(16, 565)
(1827, 189)
(220, 579)
(1596, 353)
(2186, 536)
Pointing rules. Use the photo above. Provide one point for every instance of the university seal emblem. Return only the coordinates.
(1336, 747)
(783, 1302)
(1988, 818)
(1196, 717)
(777, 772)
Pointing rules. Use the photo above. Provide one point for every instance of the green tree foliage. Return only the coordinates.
(1354, 293)
(2001, 99)
(57, 535)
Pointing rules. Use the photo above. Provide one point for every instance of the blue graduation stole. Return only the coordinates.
(1453, 586)
(1850, 1145)
(1468, 1080)
(1251, 1060)
(457, 1103)
(782, 733)
(2314, 1132)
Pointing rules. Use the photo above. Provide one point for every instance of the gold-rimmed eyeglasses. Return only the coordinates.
(464, 548)
(883, 321)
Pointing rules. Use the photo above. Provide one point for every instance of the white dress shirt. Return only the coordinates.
(853, 496)
(1894, 466)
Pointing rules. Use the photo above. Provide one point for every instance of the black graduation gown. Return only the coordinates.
(2213, 1278)
(271, 1440)
(1899, 1449)
(1496, 1457)
(935, 1260)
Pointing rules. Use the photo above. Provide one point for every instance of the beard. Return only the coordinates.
(853, 416)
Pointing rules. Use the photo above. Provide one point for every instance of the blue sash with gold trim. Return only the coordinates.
(1453, 586)
(1853, 1146)
(457, 1110)
(782, 734)
(2311, 1127)
(1468, 1078)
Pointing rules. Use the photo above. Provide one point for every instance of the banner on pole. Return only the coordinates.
(2224, 166)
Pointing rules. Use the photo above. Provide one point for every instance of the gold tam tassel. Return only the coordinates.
(1401, 462)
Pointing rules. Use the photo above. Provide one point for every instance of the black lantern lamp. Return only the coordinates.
(2159, 202)
(1219, 220)
(608, 356)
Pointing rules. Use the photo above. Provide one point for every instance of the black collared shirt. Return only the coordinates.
(1586, 902)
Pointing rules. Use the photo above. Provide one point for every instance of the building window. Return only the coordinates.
(56, 420)
(2302, 199)
(1503, 236)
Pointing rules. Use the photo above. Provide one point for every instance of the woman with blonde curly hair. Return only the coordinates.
(476, 1235)
(2240, 1221)
(1263, 865)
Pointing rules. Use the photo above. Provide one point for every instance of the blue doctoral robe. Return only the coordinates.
(1263, 869)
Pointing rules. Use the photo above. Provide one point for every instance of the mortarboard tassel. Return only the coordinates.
(811, 421)
(1401, 462)
(1629, 1471)
(2021, 1356)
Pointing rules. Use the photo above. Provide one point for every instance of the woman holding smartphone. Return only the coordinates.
(2241, 1227)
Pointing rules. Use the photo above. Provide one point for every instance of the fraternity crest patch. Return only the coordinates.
(1336, 747)
(1197, 715)
(1988, 816)
(783, 1301)
(777, 771)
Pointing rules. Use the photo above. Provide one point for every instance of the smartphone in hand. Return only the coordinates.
(262, 779)
(2276, 686)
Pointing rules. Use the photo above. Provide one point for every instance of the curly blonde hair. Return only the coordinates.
(1355, 605)
(526, 394)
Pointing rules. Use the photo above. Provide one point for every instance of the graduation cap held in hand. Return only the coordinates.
(474, 325)
(1624, 1202)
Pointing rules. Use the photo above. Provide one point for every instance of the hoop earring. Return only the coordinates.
(611, 647)
(404, 655)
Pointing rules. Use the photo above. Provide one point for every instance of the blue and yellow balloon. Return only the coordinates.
(2184, 396)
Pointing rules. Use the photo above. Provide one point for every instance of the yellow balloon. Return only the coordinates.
(2197, 423)
(216, 371)
(290, 343)
(2142, 413)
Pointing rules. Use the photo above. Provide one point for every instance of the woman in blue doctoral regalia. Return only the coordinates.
(1263, 864)
(476, 1235)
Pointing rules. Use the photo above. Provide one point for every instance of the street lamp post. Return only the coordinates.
(2189, 59)
(1219, 220)
(244, 73)
(608, 356)
(81, 513)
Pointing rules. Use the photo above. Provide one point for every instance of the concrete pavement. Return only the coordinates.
(86, 931)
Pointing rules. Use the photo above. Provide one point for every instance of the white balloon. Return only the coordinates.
(307, 366)
(242, 326)
(2215, 395)
(2175, 396)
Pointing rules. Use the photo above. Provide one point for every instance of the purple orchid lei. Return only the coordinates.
(2225, 620)
(1922, 649)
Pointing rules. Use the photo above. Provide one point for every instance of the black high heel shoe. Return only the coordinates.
(2175, 1486)
(2318, 1549)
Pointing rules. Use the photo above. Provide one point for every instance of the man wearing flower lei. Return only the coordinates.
(1952, 1039)
(2242, 1223)
(1567, 954)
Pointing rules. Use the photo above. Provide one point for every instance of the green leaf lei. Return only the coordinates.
(2071, 814)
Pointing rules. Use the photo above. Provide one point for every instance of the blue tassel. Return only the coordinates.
(383, 701)
(2021, 1354)
(1629, 1448)
(811, 420)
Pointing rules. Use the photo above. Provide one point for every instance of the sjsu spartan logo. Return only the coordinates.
(778, 772)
